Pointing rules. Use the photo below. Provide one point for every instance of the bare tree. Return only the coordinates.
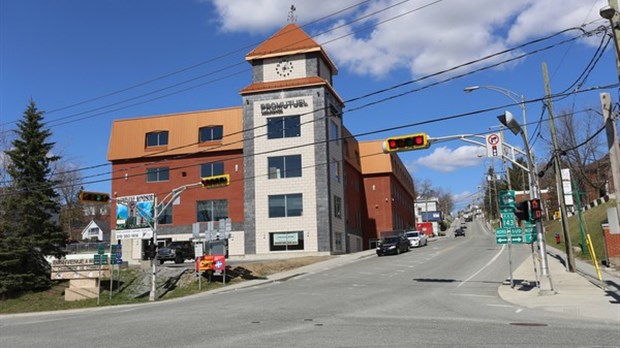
(582, 150)
(72, 216)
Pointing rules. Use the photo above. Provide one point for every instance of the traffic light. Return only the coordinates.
(535, 210)
(522, 211)
(416, 141)
(215, 181)
(93, 197)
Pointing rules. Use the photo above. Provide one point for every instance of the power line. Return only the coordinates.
(436, 120)
(367, 95)
(218, 70)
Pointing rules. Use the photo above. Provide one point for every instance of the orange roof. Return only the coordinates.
(288, 84)
(288, 41)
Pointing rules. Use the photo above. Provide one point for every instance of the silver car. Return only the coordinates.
(416, 238)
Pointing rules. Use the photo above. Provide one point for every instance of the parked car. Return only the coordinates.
(392, 245)
(459, 232)
(416, 238)
(177, 251)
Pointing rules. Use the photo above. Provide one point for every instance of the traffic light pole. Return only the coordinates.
(534, 194)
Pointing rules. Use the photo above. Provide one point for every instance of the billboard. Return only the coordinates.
(134, 216)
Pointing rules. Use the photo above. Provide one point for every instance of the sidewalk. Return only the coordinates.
(578, 294)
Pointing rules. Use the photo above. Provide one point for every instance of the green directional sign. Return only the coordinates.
(517, 239)
(501, 239)
(508, 220)
(507, 199)
(101, 249)
(100, 259)
(530, 238)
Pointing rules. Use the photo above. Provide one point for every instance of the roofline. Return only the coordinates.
(324, 83)
(134, 118)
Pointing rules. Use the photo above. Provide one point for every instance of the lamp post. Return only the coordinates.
(518, 99)
(508, 120)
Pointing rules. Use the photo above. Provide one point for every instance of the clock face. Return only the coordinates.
(284, 68)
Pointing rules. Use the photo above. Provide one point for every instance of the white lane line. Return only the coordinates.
(499, 305)
(472, 295)
(519, 310)
(483, 267)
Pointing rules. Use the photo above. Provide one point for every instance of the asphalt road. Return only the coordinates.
(442, 294)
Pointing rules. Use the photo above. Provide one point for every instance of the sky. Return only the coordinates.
(403, 66)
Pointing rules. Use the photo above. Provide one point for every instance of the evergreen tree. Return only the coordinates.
(29, 209)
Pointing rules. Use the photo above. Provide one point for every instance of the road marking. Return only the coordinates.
(519, 310)
(499, 305)
(483, 267)
(472, 295)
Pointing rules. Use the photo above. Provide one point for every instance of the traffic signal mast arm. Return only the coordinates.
(466, 138)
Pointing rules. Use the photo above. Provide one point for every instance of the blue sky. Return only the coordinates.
(101, 54)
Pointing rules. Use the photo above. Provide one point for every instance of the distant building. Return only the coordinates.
(97, 231)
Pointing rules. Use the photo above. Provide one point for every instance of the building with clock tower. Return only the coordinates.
(299, 183)
(294, 195)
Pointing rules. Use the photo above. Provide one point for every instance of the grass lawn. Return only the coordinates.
(591, 224)
(132, 283)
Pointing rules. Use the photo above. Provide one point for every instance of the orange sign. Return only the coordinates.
(210, 263)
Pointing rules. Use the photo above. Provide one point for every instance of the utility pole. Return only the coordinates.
(612, 144)
(570, 264)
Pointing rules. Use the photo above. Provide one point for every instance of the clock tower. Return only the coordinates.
(293, 155)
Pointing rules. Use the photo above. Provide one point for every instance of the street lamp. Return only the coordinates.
(508, 120)
(518, 99)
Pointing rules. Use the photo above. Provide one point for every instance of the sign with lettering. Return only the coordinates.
(277, 108)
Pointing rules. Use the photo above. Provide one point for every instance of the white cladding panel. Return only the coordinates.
(306, 184)
(284, 68)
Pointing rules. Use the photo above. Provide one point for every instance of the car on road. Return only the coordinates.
(177, 251)
(416, 238)
(392, 245)
(459, 232)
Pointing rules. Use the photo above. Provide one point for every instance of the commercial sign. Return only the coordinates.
(77, 269)
(286, 238)
(134, 216)
(277, 108)
(215, 263)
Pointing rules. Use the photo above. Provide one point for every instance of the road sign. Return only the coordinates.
(507, 199)
(514, 239)
(494, 145)
(101, 249)
(530, 238)
(508, 219)
(100, 259)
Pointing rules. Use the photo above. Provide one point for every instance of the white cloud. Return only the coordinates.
(421, 40)
(444, 159)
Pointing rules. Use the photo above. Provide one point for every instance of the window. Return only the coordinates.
(211, 210)
(283, 127)
(210, 133)
(157, 138)
(284, 166)
(157, 174)
(335, 169)
(334, 133)
(285, 205)
(211, 169)
(165, 217)
(337, 207)
(284, 241)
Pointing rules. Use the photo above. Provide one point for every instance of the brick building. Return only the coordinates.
(299, 182)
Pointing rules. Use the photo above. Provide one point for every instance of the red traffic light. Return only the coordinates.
(416, 141)
(215, 181)
(536, 209)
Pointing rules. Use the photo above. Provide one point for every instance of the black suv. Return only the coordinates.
(178, 252)
(459, 232)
